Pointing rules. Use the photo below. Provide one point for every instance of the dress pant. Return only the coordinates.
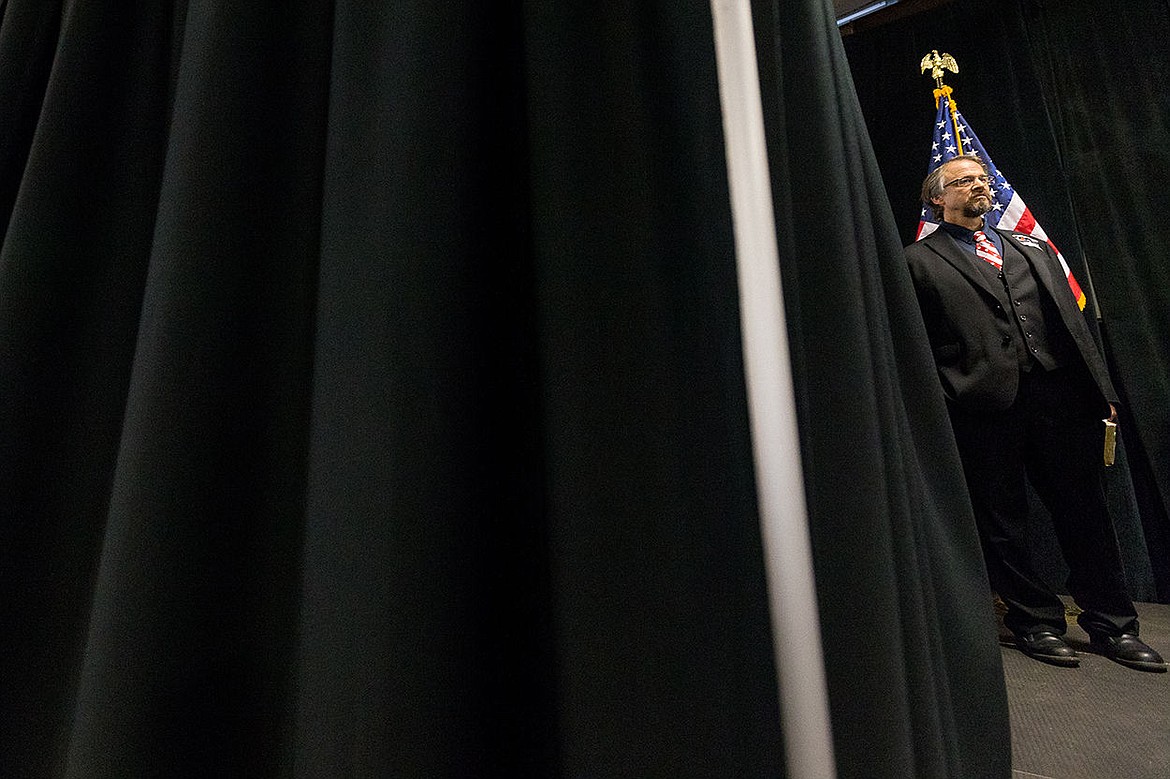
(1053, 436)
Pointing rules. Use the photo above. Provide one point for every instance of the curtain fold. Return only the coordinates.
(1110, 125)
(425, 636)
(194, 596)
(85, 92)
(373, 403)
(898, 565)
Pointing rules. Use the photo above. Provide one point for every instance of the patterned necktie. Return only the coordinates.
(986, 250)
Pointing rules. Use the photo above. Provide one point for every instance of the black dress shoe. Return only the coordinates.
(1130, 651)
(1047, 647)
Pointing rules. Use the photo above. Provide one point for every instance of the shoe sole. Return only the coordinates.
(1137, 665)
(1060, 662)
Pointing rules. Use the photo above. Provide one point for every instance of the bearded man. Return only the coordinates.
(1027, 392)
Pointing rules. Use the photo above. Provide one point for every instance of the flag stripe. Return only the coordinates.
(1027, 223)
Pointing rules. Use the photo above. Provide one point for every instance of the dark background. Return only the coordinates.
(372, 399)
(1068, 99)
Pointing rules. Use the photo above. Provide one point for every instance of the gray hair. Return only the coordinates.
(932, 187)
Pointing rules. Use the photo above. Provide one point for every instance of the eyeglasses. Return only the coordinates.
(968, 181)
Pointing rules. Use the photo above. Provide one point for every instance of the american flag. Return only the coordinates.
(1008, 210)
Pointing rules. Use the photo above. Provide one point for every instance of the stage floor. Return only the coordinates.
(1098, 721)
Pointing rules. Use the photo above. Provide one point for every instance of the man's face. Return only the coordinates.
(966, 192)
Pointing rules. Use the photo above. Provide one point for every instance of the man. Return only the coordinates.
(1027, 391)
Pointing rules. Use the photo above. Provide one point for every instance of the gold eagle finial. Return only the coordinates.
(937, 63)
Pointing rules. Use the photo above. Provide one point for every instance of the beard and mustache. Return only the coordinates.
(977, 205)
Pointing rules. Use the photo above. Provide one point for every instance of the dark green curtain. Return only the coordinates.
(372, 403)
(898, 565)
(1079, 126)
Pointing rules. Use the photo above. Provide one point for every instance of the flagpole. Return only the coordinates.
(937, 64)
(946, 91)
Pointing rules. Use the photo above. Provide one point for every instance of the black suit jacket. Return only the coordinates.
(971, 333)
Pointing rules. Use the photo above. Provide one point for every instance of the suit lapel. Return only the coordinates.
(945, 246)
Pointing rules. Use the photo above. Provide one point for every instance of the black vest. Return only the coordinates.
(1043, 338)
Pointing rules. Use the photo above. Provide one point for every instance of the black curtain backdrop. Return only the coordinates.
(1069, 99)
(371, 403)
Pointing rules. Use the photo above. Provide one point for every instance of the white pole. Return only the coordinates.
(788, 563)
